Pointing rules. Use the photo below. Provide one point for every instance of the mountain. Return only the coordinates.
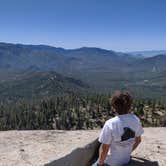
(103, 70)
(74, 62)
(88, 64)
(17, 56)
(39, 84)
(24, 56)
(152, 64)
(149, 53)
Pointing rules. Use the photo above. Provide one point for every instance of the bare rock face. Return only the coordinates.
(72, 148)
(152, 150)
(53, 147)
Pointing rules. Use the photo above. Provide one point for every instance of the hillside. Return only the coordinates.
(103, 70)
(67, 148)
(148, 53)
(36, 84)
(152, 65)
(40, 57)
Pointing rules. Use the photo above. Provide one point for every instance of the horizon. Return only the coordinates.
(29, 44)
(112, 25)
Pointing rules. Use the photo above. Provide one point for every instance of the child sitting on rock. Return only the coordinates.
(121, 134)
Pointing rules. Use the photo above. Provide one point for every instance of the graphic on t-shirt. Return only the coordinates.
(128, 133)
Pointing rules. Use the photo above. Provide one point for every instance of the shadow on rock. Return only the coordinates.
(136, 161)
(78, 157)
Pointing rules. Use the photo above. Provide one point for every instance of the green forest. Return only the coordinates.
(44, 87)
(72, 112)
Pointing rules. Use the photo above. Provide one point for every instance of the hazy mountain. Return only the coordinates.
(149, 53)
(103, 70)
(24, 56)
(152, 64)
(17, 56)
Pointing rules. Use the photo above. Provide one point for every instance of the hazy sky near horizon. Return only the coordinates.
(121, 25)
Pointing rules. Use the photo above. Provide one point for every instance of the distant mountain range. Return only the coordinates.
(17, 56)
(149, 53)
(99, 69)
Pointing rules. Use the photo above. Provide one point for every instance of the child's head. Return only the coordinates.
(121, 101)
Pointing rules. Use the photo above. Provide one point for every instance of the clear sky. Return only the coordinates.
(121, 25)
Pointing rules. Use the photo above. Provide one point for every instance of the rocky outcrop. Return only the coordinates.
(72, 148)
(80, 156)
(51, 147)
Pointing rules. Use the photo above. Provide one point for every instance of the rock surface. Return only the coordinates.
(152, 150)
(37, 148)
(72, 148)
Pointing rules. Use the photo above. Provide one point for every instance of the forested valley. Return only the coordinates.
(72, 112)
(44, 87)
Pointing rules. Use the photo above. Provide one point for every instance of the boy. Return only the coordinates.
(121, 134)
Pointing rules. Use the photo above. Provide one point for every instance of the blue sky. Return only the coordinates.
(121, 25)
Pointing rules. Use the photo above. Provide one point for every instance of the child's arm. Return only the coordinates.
(137, 142)
(103, 153)
(105, 139)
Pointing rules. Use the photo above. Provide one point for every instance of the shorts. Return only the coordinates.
(95, 164)
(105, 164)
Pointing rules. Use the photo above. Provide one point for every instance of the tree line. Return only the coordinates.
(73, 112)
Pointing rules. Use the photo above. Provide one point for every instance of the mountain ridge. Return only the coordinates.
(103, 70)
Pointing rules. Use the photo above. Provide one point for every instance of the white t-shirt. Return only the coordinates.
(120, 133)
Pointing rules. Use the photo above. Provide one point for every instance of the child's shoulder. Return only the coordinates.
(112, 120)
(128, 117)
(135, 117)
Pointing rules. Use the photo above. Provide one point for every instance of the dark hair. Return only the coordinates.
(121, 101)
